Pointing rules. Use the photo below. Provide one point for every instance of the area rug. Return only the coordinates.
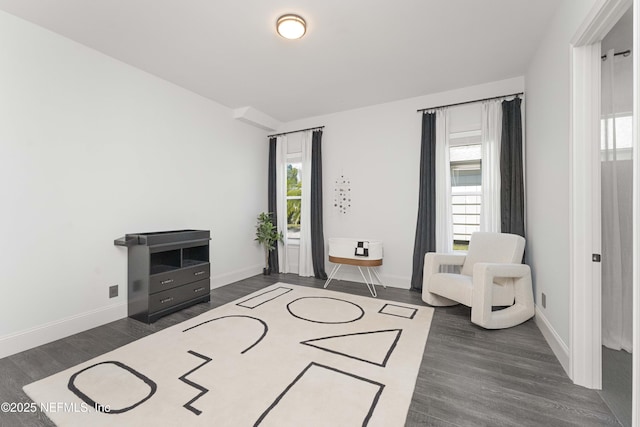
(283, 356)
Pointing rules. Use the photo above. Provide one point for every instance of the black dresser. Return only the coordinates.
(167, 271)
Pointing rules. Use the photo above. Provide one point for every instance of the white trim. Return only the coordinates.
(585, 320)
(635, 411)
(389, 280)
(218, 280)
(395, 281)
(464, 134)
(52, 331)
(601, 19)
(584, 275)
(58, 329)
(558, 346)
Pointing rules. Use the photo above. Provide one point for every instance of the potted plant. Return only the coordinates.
(268, 236)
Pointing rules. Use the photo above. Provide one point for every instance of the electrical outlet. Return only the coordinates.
(544, 300)
(113, 291)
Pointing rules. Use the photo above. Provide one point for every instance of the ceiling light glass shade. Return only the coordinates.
(291, 26)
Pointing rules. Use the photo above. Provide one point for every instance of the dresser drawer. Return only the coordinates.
(172, 279)
(166, 299)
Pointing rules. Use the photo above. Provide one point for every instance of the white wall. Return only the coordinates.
(378, 149)
(548, 162)
(91, 149)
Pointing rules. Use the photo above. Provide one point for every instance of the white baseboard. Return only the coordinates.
(52, 331)
(558, 346)
(218, 280)
(394, 281)
(58, 329)
(390, 280)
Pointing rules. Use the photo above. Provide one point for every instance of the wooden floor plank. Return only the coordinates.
(469, 376)
(13, 378)
(36, 363)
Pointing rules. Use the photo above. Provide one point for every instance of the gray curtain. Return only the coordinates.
(511, 169)
(426, 227)
(271, 195)
(317, 231)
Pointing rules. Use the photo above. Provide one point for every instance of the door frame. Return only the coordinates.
(585, 351)
(635, 416)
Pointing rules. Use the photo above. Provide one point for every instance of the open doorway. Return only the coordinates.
(616, 184)
(588, 229)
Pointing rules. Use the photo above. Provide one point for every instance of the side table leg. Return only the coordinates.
(332, 275)
(375, 272)
(371, 286)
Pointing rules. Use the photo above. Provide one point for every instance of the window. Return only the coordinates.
(294, 196)
(465, 154)
(623, 133)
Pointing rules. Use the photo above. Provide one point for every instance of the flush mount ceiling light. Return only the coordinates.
(291, 26)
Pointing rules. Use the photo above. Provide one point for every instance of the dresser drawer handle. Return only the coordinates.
(198, 273)
(162, 301)
(198, 290)
(166, 282)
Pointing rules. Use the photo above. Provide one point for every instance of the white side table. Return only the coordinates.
(342, 252)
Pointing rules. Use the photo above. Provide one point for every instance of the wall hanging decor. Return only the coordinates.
(342, 195)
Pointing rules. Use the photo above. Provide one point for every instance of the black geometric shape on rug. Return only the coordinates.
(259, 301)
(203, 390)
(385, 353)
(400, 311)
(313, 365)
(349, 318)
(266, 328)
(106, 407)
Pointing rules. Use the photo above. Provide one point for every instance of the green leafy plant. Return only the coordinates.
(294, 188)
(267, 235)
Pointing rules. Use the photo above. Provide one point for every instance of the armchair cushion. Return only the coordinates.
(493, 247)
(459, 287)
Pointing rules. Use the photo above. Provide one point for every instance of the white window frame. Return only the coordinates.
(460, 139)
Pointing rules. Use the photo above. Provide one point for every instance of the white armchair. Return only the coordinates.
(491, 274)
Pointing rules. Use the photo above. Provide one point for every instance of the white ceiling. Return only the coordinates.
(355, 52)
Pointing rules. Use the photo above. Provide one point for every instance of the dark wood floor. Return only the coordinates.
(468, 377)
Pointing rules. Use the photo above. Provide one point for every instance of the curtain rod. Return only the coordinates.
(624, 53)
(470, 102)
(294, 131)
